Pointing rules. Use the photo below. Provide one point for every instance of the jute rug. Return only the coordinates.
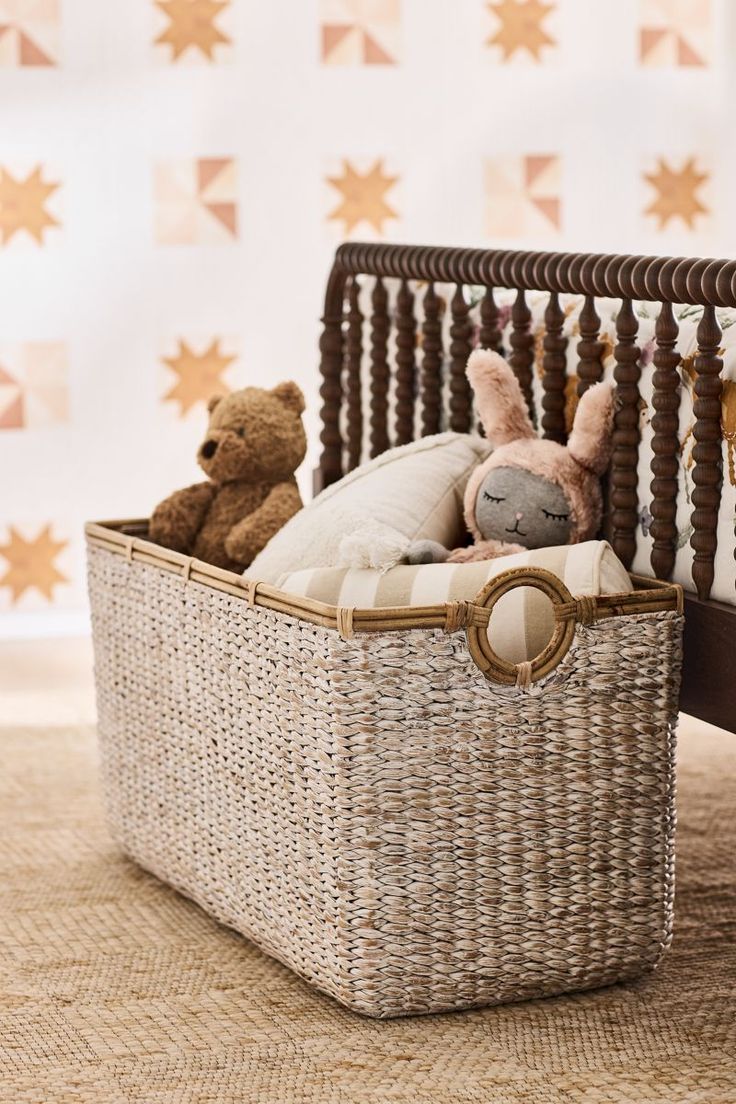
(114, 989)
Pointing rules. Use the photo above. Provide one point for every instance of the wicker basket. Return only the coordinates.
(378, 800)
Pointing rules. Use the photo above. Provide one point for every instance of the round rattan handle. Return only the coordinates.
(501, 670)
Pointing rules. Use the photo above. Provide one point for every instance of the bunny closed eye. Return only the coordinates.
(531, 492)
(519, 506)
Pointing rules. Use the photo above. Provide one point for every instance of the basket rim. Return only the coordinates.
(128, 538)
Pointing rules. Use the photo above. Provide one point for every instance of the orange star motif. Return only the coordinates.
(31, 564)
(521, 27)
(192, 26)
(676, 193)
(22, 206)
(363, 197)
(199, 376)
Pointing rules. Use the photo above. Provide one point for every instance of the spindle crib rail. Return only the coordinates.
(392, 371)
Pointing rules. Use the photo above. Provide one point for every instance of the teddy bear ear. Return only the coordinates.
(589, 442)
(501, 405)
(290, 395)
(214, 401)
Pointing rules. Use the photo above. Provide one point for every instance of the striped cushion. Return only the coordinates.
(522, 621)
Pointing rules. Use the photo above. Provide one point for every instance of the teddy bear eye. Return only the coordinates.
(555, 517)
(492, 498)
(240, 431)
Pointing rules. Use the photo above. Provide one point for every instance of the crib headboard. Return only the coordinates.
(391, 371)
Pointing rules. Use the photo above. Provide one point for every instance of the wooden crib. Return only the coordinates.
(417, 385)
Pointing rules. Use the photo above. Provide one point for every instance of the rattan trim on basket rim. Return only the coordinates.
(127, 538)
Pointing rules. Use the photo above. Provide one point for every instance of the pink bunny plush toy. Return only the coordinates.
(529, 493)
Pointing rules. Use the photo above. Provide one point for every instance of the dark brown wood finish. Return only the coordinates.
(431, 363)
(354, 378)
(522, 345)
(707, 471)
(554, 366)
(709, 670)
(406, 369)
(624, 494)
(590, 349)
(710, 654)
(331, 360)
(490, 336)
(460, 347)
(380, 371)
(665, 444)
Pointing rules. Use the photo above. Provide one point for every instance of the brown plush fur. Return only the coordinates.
(254, 443)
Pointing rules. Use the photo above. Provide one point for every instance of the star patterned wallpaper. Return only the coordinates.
(175, 175)
(521, 29)
(29, 32)
(193, 28)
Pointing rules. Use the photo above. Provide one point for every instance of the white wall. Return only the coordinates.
(98, 438)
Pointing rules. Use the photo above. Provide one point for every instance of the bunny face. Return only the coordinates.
(532, 491)
(521, 507)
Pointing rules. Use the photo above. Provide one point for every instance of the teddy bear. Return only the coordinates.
(530, 492)
(254, 443)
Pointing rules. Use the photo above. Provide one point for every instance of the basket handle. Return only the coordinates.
(567, 612)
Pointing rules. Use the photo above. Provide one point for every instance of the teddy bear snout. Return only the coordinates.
(209, 448)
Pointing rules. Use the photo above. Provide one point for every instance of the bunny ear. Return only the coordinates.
(501, 405)
(590, 440)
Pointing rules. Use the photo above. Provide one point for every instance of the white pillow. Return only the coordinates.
(369, 518)
(522, 621)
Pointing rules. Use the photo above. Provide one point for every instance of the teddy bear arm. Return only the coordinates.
(251, 535)
(484, 550)
(177, 520)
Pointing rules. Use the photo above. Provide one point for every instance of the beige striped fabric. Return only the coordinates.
(522, 621)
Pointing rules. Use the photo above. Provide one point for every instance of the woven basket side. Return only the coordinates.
(503, 843)
(403, 832)
(216, 734)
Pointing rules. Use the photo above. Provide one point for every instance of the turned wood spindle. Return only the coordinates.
(624, 496)
(590, 349)
(460, 345)
(432, 359)
(406, 344)
(522, 345)
(331, 344)
(665, 444)
(380, 373)
(490, 336)
(707, 454)
(553, 378)
(353, 378)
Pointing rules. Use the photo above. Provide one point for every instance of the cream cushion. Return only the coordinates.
(522, 620)
(369, 518)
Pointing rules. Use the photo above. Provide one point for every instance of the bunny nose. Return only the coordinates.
(519, 517)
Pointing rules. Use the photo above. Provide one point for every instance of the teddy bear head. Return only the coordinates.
(255, 435)
(531, 491)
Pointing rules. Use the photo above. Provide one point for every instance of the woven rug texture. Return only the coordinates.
(113, 989)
